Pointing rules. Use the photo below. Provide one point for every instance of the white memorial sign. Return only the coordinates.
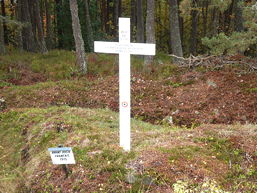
(124, 48)
(62, 155)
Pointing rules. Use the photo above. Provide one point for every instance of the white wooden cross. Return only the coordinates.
(124, 48)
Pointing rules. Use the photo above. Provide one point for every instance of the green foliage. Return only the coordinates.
(254, 90)
(55, 65)
(4, 84)
(185, 6)
(183, 152)
(237, 42)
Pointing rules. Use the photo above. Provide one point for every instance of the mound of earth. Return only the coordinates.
(211, 97)
(163, 159)
(220, 97)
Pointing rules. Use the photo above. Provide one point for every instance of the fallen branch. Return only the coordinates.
(211, 61)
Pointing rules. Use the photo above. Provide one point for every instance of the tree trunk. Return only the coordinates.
(166, 28)
(28, 39)
(58, 11)
(107, 24)
(89, 30)
(18, 15)
(3, 22)
(227, 17)
(2, 47)
(175, 31)
(194, 16)
(12, 8)
(31, 5)
(158, 24)
(140, 22)
(116, 16)
(150, 31)
(49, 31)
(79, 42)
(215, 22)
(103, 15)
(41, 38)
(120, 8)
(205, 16)
(133, 19)
(238, 21)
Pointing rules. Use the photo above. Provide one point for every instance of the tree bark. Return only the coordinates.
(227, 17)
(116, 16)
(107, 24)
(214, 25)
(49, 31)
(140, 22)
(238, 21)
(79, 42)
(150, 31)
(31, 5)
(103, 15)
(41, 38)
(89, 30)
(12, 8)
(3, 22)
(2, 44)
(58, 9)
(194, 28)
(28, 39)
(205, 16)
(175, 30)
(18, 15)
(133, 19)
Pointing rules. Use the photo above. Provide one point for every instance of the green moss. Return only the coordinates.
(4, 84)
(178, 84)
(55, 65)
(183, 152)
(47, 93)
(222, 149)
(253, 90)
(168, 70)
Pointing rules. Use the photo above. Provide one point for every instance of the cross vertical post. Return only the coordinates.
(124, 86)
(124, 48)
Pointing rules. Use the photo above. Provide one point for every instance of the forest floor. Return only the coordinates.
(192, 129)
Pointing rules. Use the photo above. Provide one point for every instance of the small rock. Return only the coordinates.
(211, 83)
(148, 180)
(169, 120)
(216, 112)
(175, 112)
(131, 178)
(94, 152)
(2, 104)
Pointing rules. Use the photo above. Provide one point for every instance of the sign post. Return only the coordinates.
(124, 48)
(62, 156)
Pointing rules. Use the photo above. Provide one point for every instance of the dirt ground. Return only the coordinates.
(218, 97)
(192, 98)
(200, 100)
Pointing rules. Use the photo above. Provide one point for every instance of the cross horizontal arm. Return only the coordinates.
(124, 48)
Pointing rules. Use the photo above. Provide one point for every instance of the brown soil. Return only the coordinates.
(212, 97)
(159, 163)
(223, 96)
(27, 77)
